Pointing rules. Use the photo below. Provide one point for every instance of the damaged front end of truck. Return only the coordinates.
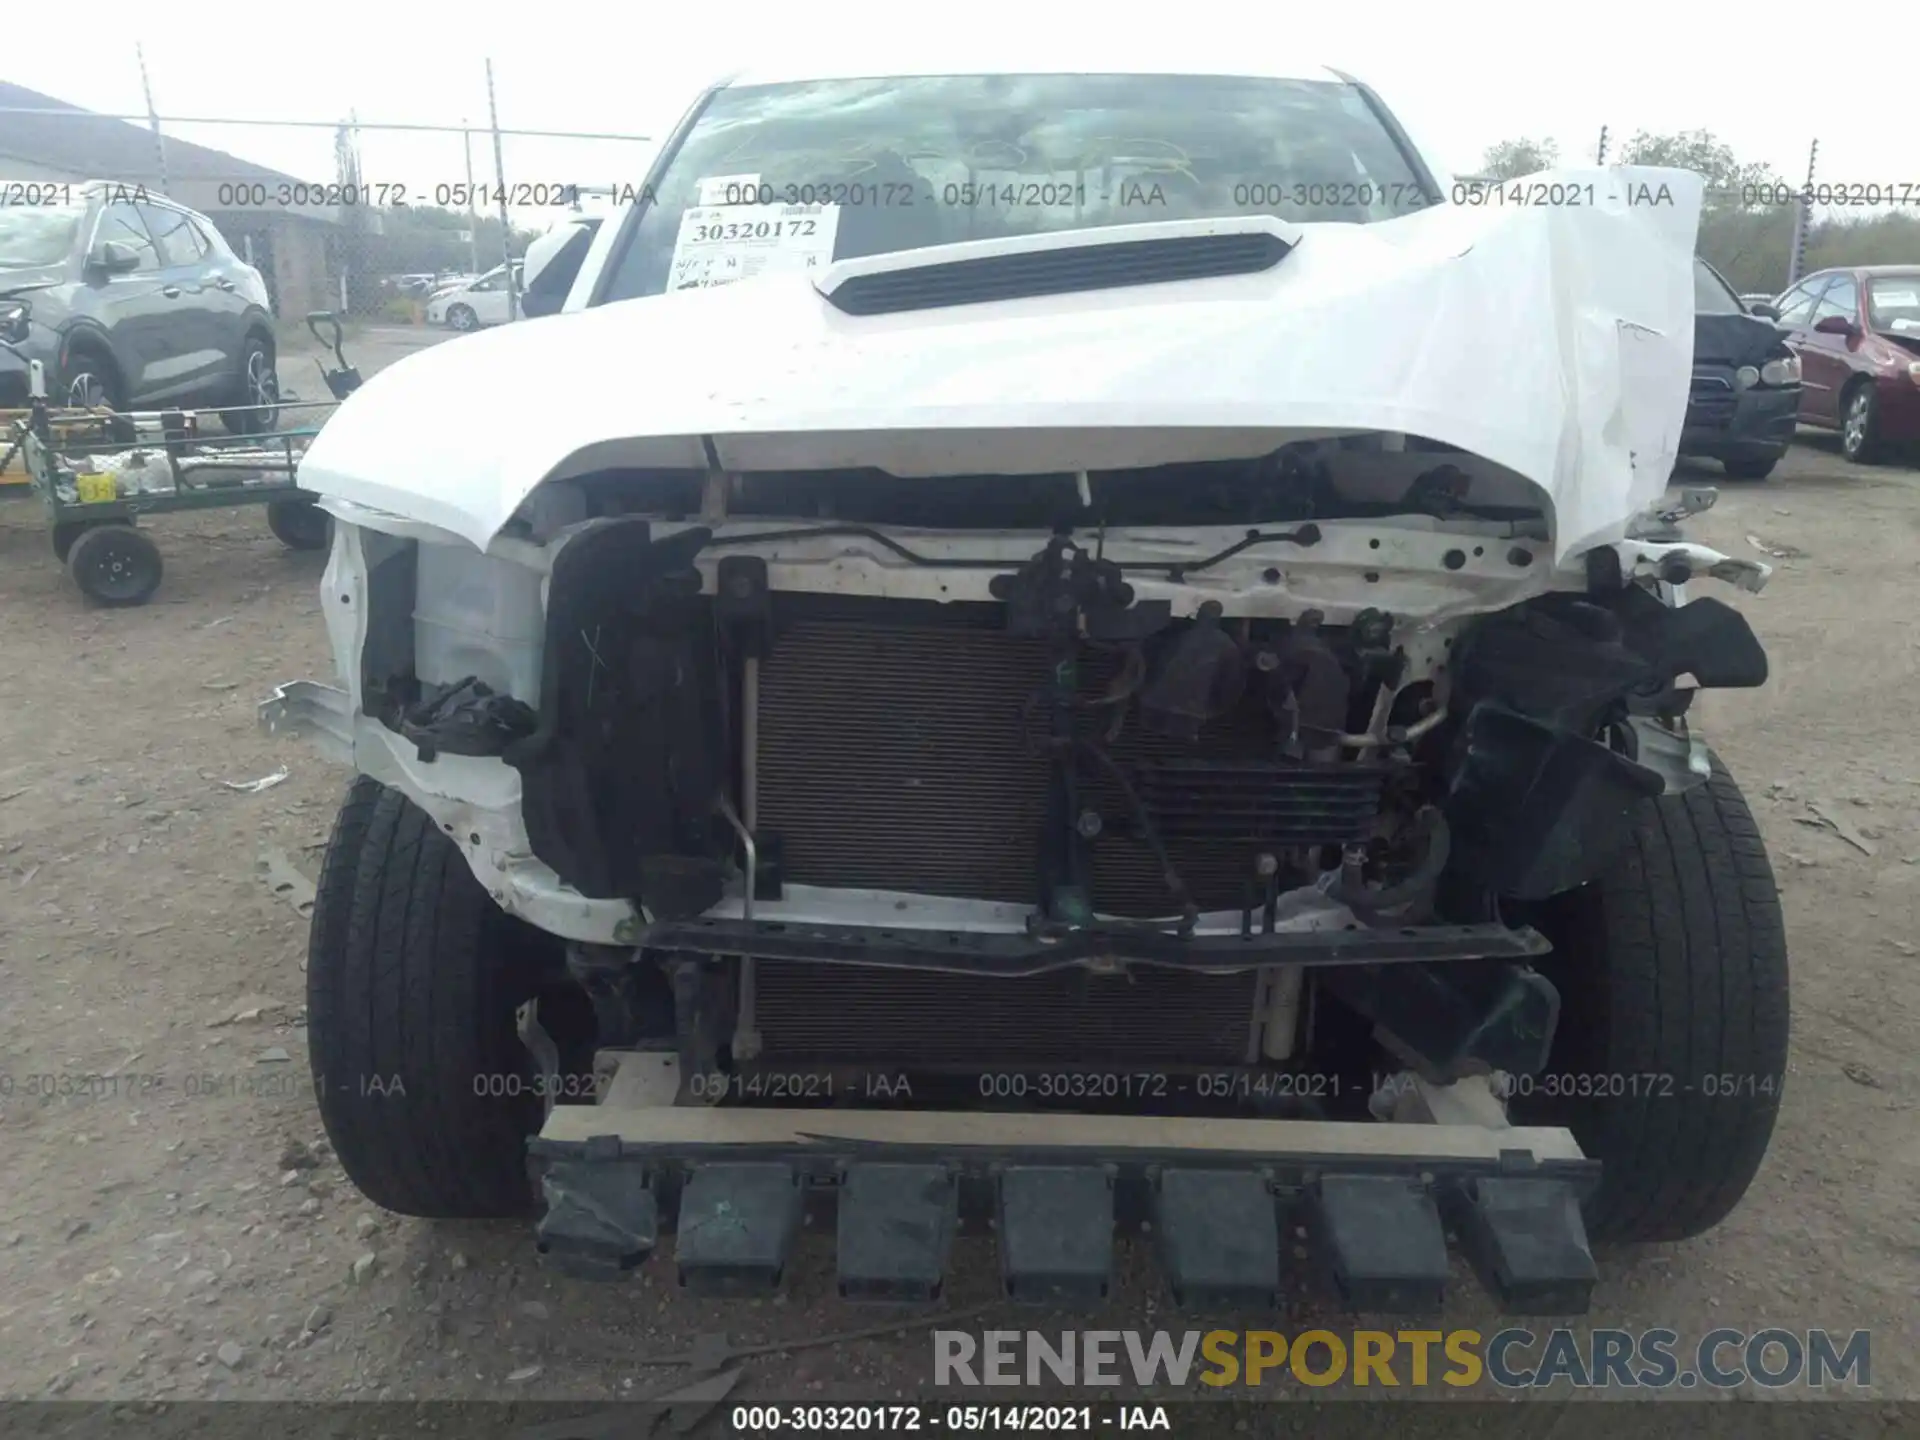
(1058, 818)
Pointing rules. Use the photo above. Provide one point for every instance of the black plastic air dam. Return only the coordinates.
(1536, 811)
(1367, 1198)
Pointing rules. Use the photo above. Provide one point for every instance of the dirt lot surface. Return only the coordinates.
(171, 1225)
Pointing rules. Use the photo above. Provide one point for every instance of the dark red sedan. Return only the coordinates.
(1857, 333)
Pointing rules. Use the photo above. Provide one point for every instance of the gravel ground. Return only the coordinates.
(172, 1226)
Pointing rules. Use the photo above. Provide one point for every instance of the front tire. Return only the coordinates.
(413, 979)
(88, 381)
(1672, 970)
(300, 524)
(462, 318)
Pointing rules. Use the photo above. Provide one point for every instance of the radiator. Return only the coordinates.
(893, 755)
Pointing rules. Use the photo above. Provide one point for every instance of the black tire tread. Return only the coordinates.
(289, 519)
(409, 980)
(79, 562)
(1692, 950)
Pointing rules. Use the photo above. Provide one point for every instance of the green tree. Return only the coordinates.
(1889, 239)
(1731, 183)
(1745, 229)
(1509, 159)
(1752, 248)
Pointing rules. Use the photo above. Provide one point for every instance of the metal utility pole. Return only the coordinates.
(506, 225)
(473, 213)
(1601, 157)
(1802, 219)
(153, 118)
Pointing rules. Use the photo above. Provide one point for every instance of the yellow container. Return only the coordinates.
(96, 489)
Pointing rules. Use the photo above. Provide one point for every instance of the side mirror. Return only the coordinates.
(1834, 325)
(113, 257)
(1763, 310)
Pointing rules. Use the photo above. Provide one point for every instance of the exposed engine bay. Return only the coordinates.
(1222, 681)
(1051, 803)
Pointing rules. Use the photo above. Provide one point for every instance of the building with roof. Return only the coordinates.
(264, 214)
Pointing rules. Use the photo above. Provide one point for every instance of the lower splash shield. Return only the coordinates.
(737, 1186)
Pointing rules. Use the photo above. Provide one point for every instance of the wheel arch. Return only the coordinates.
(259, 326)
(88, 337)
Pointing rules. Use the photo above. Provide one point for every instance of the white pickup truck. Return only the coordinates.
(1092, 654)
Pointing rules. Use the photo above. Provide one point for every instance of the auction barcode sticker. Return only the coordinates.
(720, 244)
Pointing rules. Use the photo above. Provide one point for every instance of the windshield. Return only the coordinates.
(1711, 295)
(796, 176)
(34, 235)
(1893, 303)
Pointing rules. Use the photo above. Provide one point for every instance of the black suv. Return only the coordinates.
(131, 301)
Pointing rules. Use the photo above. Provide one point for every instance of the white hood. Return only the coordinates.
(1554, 338)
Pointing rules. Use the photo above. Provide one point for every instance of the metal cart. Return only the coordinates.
(97, 471)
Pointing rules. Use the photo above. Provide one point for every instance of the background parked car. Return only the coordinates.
(1746, 383)
(1857, 332)
(473, 304)
(131, 301)
(413, 287)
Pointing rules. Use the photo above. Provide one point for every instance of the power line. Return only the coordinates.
(303, 124)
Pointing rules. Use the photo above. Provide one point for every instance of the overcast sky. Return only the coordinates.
(1461, 75)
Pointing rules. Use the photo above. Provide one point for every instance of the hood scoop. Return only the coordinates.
(1063, 263)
